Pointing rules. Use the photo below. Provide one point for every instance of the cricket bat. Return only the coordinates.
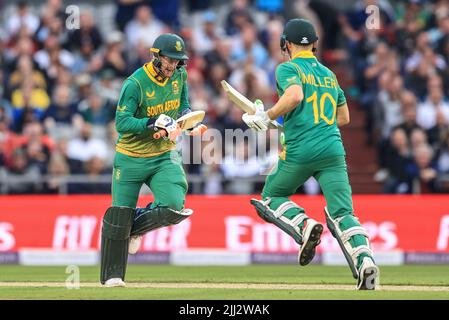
(243, 102)
(186, 122)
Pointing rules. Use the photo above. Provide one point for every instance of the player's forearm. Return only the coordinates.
(128, 124)
(343, 115)
(285, 104)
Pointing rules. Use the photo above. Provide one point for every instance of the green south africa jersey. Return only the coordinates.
(144, 97)
(311, 131)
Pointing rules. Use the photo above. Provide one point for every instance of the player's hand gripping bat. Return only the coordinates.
(187, 122)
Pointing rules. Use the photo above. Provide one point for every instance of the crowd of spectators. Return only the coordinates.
(60, 86)
(402, 75)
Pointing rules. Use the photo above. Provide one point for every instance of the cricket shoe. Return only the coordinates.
(368, 275)
(312, 231)
(114, 282)
(134, 244)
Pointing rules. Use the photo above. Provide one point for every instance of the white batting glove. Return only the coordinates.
(168, 124)
(259, 121)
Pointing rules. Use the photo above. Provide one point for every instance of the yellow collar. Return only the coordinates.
(304, 54)
(152, 74)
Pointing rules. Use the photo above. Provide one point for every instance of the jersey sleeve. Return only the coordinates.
(341, 99)
(287, 74)
(184, 107)
(128, 103)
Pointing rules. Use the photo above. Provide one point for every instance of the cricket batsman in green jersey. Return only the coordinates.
(313, 106)
(151, 99)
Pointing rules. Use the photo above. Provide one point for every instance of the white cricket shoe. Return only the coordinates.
(311, 239)
(368, 275)
(134, 244)
(114, 282)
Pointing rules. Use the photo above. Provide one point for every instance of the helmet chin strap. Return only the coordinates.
(157, 64)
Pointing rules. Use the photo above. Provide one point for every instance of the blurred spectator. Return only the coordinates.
(423, 170)
(167, 11)
(57, 170)
(408, 107)
(435, 103)
(238, 17)
(51, 23)
(25, 68)
(28, 99)
(388, 115)
(87, 37)
(52, 54)
(108, 88)
(204, 38)
(144, 27)
(250, 80)
(443, 157)
(75, 165)
(86, 146)
(22, 176)
(398, 157)
(437, 133)
(125, 11)
(94, 111)
(22, 18)
(94, 168)
(62, 111)
(114, 59)
(248, 48)
(242, 164)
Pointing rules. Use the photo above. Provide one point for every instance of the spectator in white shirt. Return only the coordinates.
(22, 18)
(143, 28)
(85, 147)
(435, 102)
(204, 37)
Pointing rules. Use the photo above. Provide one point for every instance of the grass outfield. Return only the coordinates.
(233, 282)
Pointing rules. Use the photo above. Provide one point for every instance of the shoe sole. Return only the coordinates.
(114, 285)
(370, 272)
(308, 249)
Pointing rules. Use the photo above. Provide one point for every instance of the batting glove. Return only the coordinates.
(259, 121)
(168, 124)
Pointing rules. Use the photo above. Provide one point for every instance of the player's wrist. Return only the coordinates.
(270, 115)
(150, 123)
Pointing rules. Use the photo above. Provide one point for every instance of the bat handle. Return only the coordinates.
(159, 134)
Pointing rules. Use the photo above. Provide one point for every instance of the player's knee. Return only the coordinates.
(176, 204)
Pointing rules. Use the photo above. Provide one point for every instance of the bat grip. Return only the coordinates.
(159, 134)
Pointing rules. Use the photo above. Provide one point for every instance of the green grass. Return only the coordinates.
(284, 274)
